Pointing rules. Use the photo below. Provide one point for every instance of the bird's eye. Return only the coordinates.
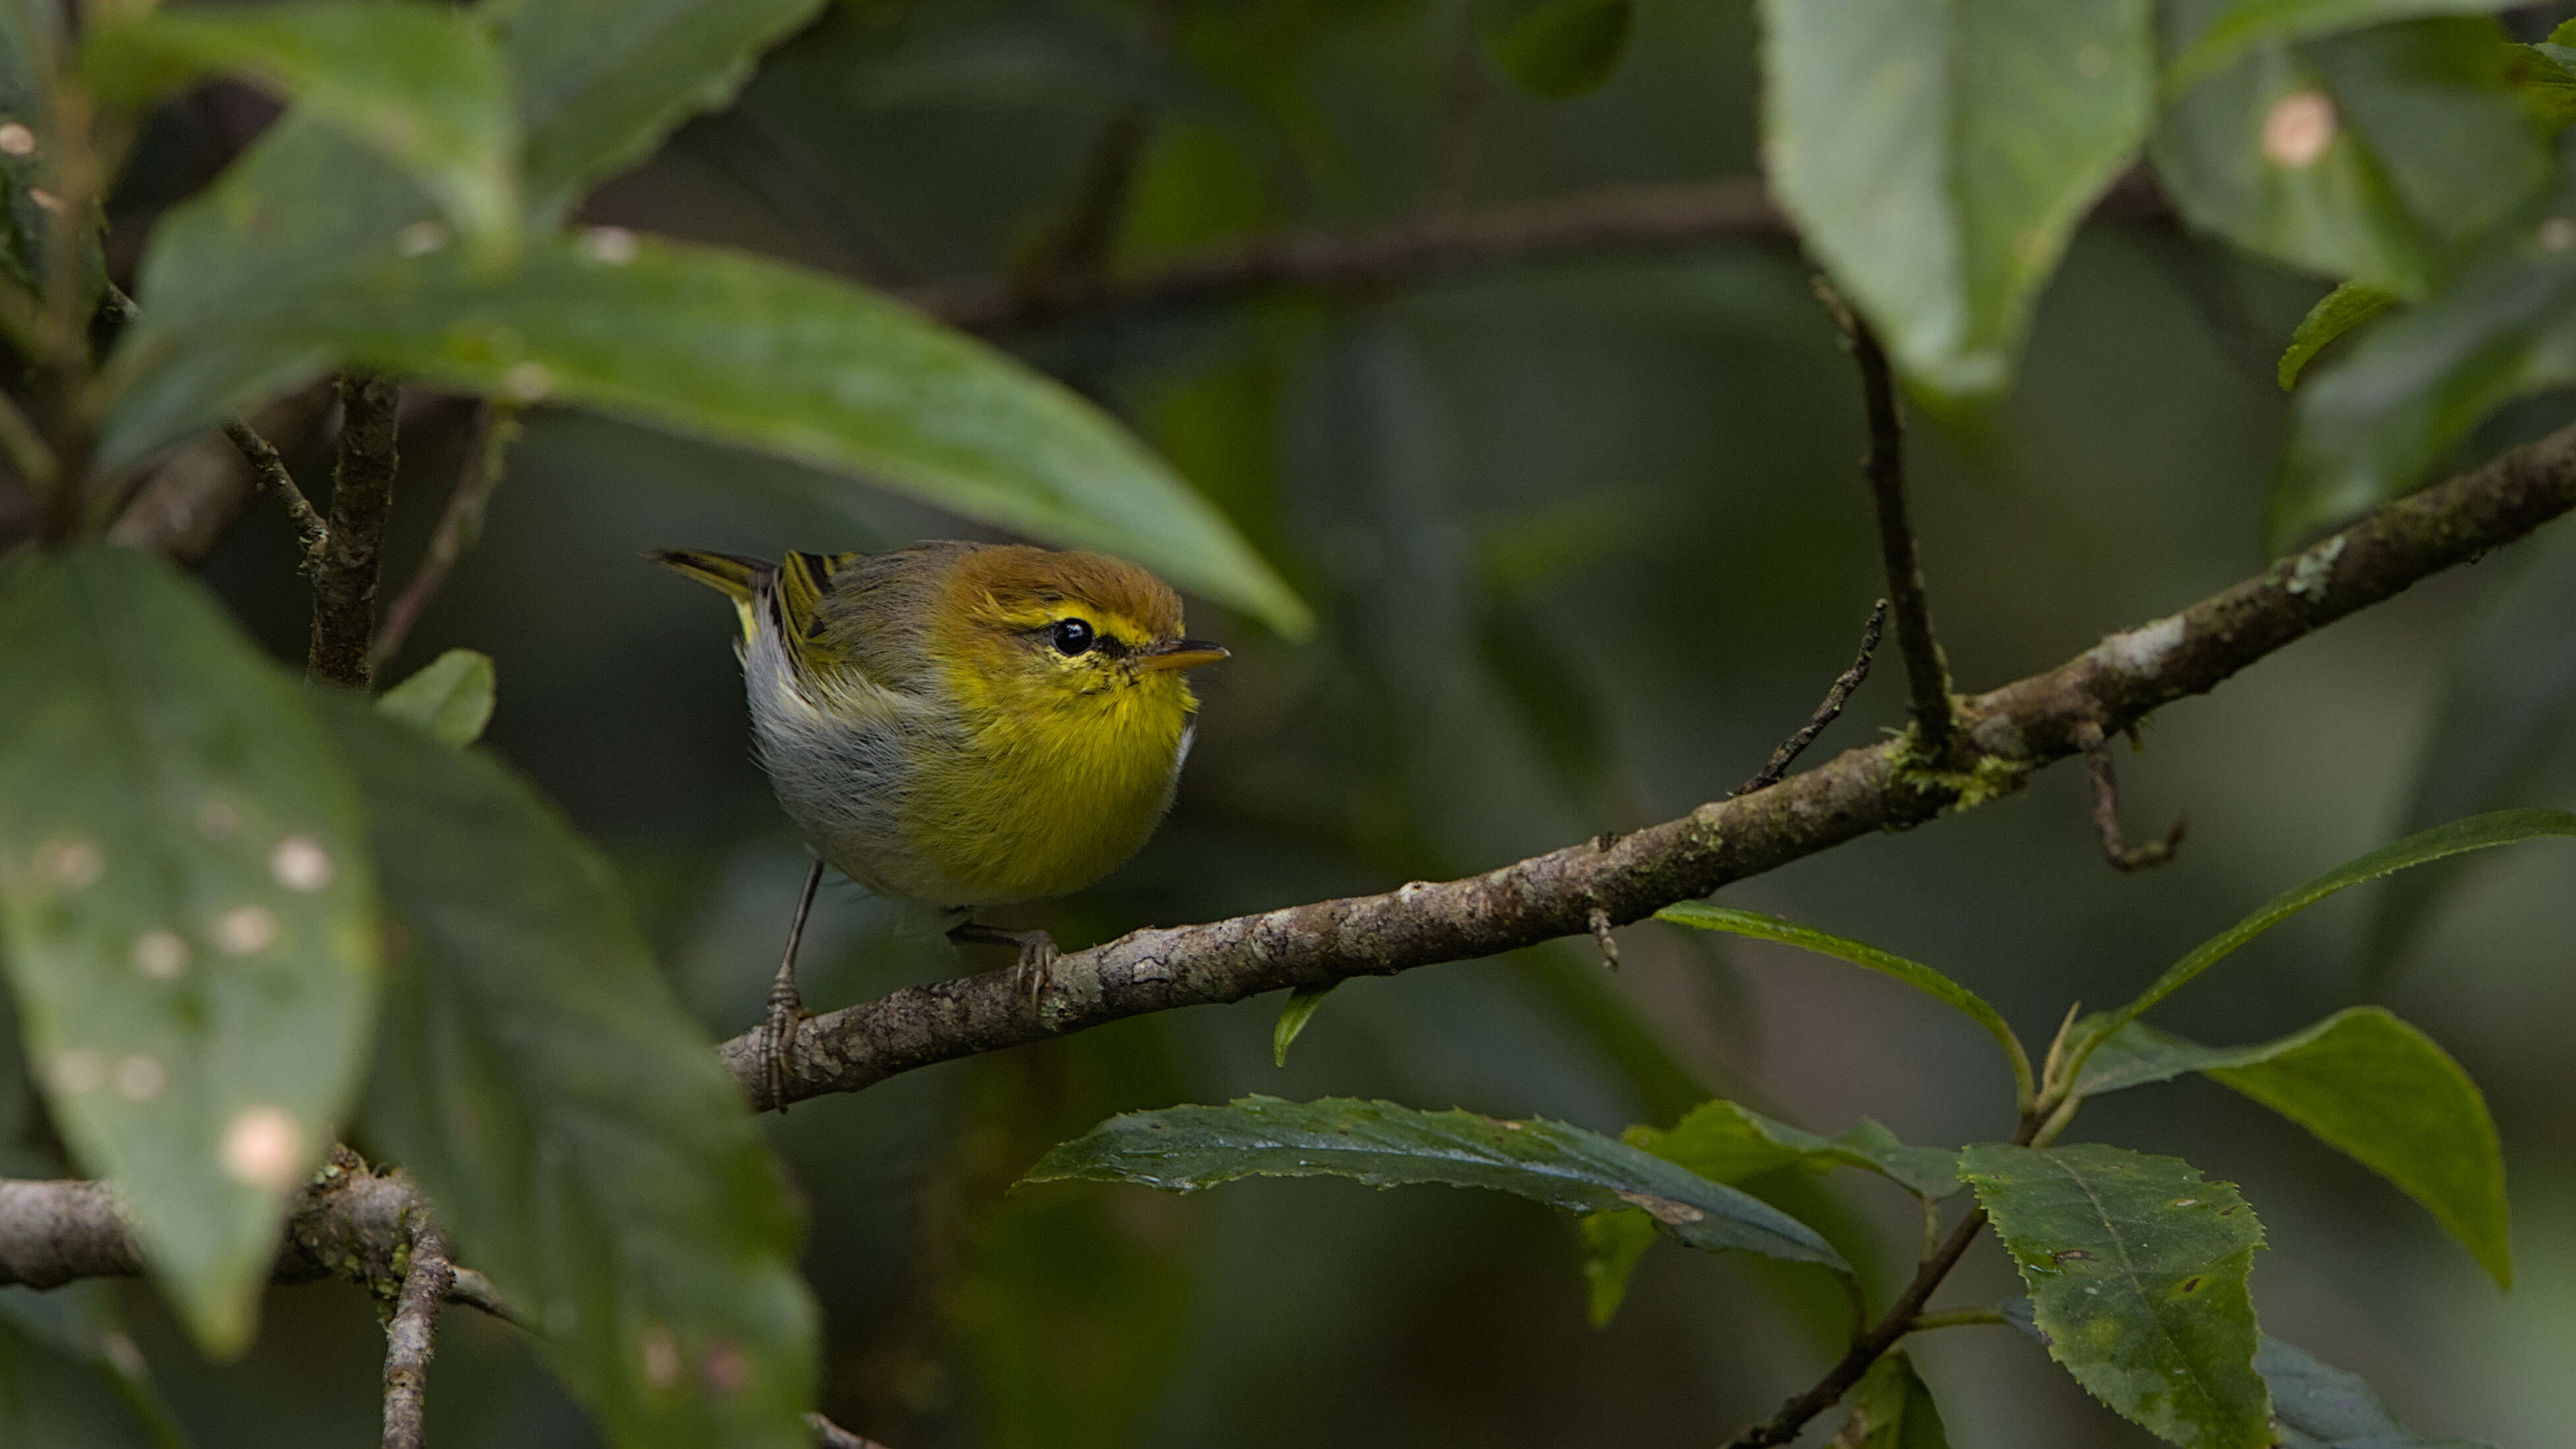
(1071, 636)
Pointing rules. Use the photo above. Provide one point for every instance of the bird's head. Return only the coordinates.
(1031, 631)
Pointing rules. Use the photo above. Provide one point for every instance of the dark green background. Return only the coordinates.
(1587, 539)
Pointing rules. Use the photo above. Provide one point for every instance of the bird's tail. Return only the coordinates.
(737, 577)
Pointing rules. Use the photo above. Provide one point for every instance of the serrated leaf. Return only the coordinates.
(1760, 927)
(1891, 1409)
(2369, 1086)
(1187, 1149)
(188, 908)
(2314, 1405)
(2136, 1267)
(585, 1149)
(736, 348)
(2477, 832)
(418, 84)
(1293, 1016)
(2336, 313)
(2378, 157)
(2375, 424)
(450, 699)
(1937, 157)
(1566, 47)
(2204, 35)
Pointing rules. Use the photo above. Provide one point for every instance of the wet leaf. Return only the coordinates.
(538, 1076)
(450, 699)
(186, 899)
(1187, 1149)
(2136, 1267)
(2371, 1087)
(1937, 157)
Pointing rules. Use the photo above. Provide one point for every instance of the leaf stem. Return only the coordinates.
(1955, 1318)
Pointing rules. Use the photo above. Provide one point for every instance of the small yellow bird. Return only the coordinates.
(960, 724)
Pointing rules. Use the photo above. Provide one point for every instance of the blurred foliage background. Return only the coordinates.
(1587, 538)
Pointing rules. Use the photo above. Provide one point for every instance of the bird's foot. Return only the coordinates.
(778, 1040)
(1034, 972)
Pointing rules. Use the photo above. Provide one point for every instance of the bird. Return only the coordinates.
(960, 725)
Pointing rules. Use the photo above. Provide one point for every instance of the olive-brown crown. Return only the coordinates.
(1016, 585)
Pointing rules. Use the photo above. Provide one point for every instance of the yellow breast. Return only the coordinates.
(1045, 790)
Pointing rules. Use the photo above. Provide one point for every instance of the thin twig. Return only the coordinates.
(411, 1337)
(2106, 809)
(269, 470)
(1836, 696)
(828, 1435)
(1955, 1318)
(1927, 673)
(496, 426)
(362, 493)
(1599, 921)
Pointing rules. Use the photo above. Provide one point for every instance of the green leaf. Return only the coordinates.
(2207, 34)
(418, 84)
(2136, 1267)
(2321, 1407)
(584, 1147)
(186, 902)
(1566, 47)
(1891, 1409)
(1293, 1017)
(728, 346)
(2314, 1405)
(2336, 313)
(601, 82)
(2376, 423)
(1921, 977)
(2377, 157)
(1728, 1143)
(2477, 832)
(1937, 157)
(450, 698)
(1186, 1149)
(2369, 1086)
(1612, 1245)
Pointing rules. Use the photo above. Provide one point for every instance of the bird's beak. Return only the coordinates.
(1180, 654)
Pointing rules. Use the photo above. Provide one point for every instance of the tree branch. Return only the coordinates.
(269, 471)
(2006, 734)
(828, 1435)
(1597, 221)
(362, 493)
(486, 459)
(184, 507)
(411, 1338)
(2106, 809)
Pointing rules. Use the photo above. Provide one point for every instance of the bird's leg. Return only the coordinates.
(786, 1007)
(1031, 975)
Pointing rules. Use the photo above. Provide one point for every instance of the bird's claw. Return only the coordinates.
(1034, 972)
(778, 1044)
